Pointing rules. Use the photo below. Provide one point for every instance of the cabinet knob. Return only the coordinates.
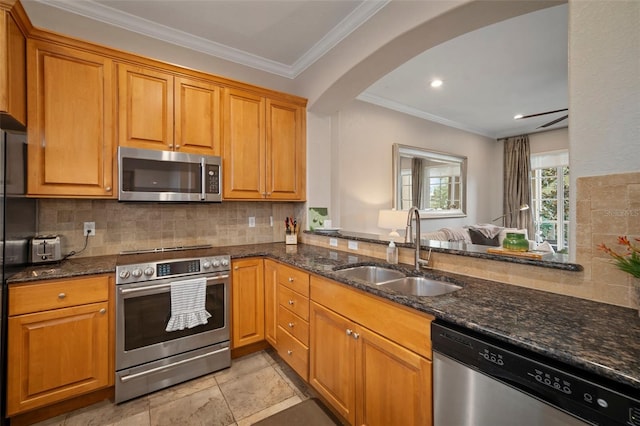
(108, 189)
(61, 296)
(349, 332)
(290, 279)
(289, 352)
(291, 325)
(235, 268)
(356, 335)
(103, 311)
(176, 146)
(291, 302)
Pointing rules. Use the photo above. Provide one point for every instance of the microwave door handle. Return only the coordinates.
(203, 172)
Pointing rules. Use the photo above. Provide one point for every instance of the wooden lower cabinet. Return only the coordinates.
(367, 378)
(60, 341)
(247, 311)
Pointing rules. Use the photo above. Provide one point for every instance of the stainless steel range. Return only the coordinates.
(149, 297)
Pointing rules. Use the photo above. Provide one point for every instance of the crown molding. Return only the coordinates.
(405, 109)
(99, 12)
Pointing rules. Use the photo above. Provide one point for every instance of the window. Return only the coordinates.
(550, 197)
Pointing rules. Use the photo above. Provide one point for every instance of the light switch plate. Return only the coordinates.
(252, 222)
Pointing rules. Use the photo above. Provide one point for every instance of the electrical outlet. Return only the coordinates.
(89, 229)
(333, 242)
(252, 222)
(271, 221)
(353, 245)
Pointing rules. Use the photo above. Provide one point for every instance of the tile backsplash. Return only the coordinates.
(130, 226)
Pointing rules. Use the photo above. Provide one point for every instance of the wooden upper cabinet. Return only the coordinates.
(159, 110)
(70, 122)
(243, 158)
(197, 117)
(13, 74)
(285, 151)
(264, 148)
(145, 108)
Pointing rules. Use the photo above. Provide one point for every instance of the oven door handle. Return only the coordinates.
(167, 285)
(173, 364)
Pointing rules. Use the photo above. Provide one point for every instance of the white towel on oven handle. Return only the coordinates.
(188, 304)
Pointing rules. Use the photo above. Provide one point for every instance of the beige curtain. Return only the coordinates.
(417, 181)
(517, 183)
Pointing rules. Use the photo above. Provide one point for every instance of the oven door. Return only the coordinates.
(143, 311)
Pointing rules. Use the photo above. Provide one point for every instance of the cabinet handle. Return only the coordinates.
(291, 302)
(61, 296)
(289, 352)
(108, 189)
(290, 279)
(291, 325)
(103, 311)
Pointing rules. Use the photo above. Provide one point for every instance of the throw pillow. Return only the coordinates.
(478, 238)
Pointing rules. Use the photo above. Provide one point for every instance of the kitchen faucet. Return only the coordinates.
(418, 263)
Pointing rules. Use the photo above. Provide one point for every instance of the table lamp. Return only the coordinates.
(392, 219)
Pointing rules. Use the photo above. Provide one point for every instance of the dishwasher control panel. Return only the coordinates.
(547, 380)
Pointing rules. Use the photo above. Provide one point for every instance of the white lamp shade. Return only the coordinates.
(392, 219)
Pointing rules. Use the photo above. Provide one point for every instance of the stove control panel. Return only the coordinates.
(171, 268)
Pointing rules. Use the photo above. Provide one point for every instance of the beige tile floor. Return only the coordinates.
(254, 387)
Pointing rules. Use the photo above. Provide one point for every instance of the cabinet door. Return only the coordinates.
(197, 117)
(145, 108)
(243, 159)
(13, 73)
(270, 301)
(71, 151)
(286, 151)
(247, 294)
(393, 384)
(57, 354)
(332, 360)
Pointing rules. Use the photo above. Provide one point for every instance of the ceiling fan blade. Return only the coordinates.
(551, 123)
(542, 113)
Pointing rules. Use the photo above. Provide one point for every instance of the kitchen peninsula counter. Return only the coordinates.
(596, 337)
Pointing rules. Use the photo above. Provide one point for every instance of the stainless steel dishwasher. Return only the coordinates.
(482, 382)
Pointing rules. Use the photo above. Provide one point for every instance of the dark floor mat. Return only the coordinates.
(310, 412)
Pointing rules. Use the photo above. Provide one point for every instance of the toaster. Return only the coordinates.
(45, 248)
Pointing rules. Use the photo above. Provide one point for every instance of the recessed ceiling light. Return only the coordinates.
(517, 116)
(436, 83)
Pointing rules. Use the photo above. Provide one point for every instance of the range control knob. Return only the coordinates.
(148, 271)
(124, 274)
(225, 262)
(206, 264)
(216, 263)
(137, 272)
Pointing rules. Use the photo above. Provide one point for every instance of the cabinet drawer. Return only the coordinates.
(293, 353)
(295, 325)
(294, 279)
(56, 294)
(295, 302)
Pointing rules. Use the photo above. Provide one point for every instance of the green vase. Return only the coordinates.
(515, 242)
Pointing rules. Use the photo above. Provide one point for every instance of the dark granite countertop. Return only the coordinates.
(596, 337)
(550, 260)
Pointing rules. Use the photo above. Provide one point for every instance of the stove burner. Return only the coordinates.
(165, 249)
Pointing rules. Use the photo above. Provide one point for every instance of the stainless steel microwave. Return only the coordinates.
(150, 175)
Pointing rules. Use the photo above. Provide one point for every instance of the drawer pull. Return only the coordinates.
(290, 279)
(103, 311)
(291, 302)
(289, 352)
(61, 296)
(291, 325)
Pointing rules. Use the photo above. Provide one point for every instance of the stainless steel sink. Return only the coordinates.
(370, 274)
(420, 286)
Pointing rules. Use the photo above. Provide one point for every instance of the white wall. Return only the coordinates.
(552, 140)
(363, 155)
(604, 90)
